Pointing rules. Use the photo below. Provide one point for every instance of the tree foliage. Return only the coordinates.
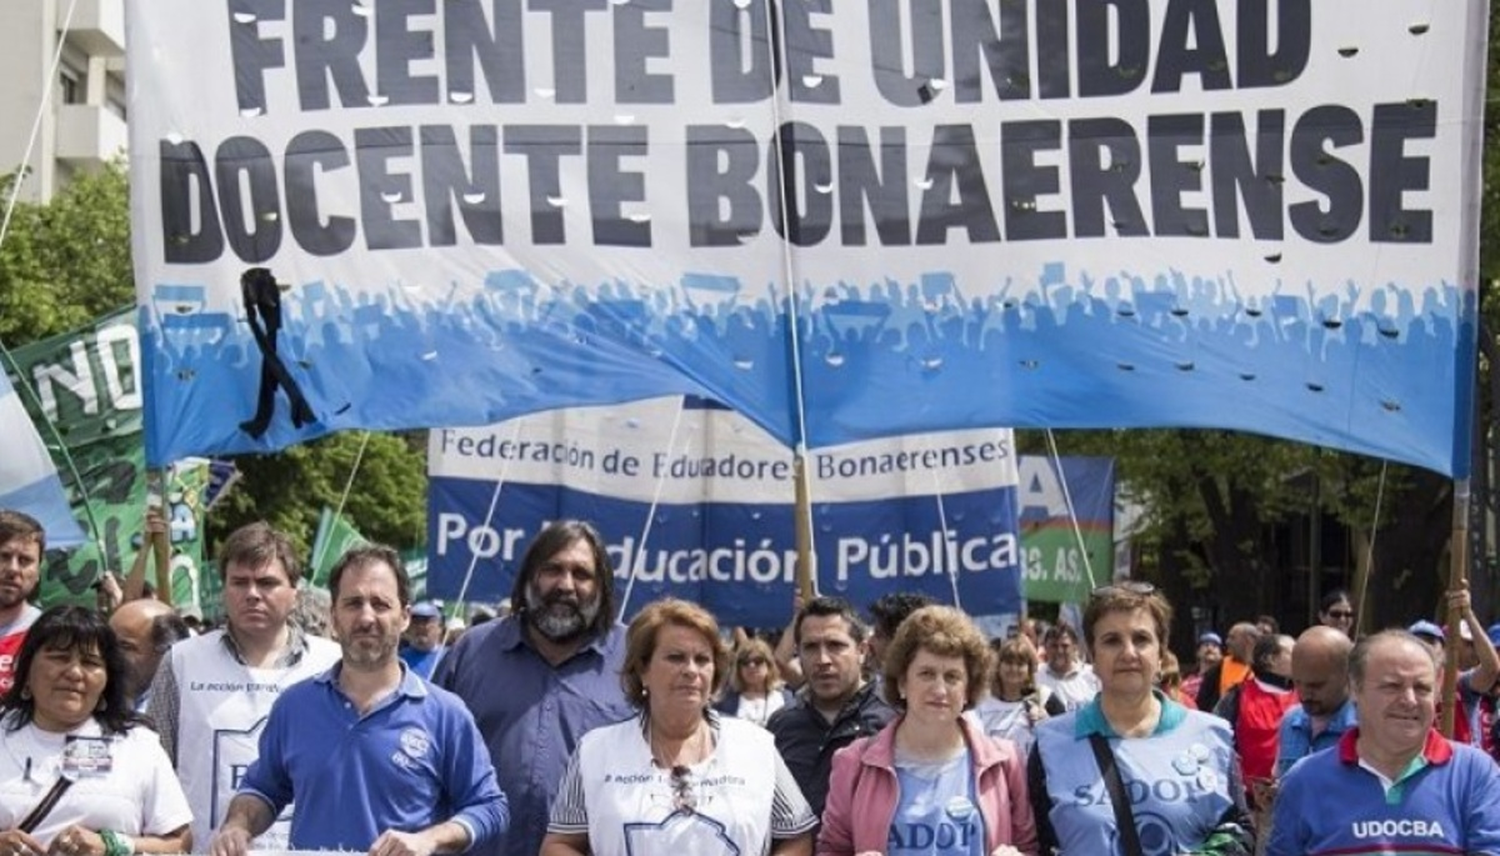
(386, 500)
(66, 263)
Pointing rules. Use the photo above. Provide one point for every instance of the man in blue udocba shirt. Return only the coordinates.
(1393, 784)
(377, 760)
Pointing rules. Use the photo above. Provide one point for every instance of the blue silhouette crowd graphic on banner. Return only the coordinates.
(877, 359)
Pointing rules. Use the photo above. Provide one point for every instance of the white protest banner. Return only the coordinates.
(696, 502)
(922, 214)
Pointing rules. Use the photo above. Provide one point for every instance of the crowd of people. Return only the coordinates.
(555, 730)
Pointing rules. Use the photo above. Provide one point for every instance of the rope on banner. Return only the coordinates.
(36, 121)
(489, 515)
(338, 512)
(937, 490)
(22, 387)
(640, 553)
(1364, 589)
(1062, 479)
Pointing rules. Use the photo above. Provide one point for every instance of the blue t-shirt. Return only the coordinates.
(936, 814)
(1182, 780)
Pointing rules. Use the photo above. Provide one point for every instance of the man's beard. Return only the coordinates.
(560, 617)
(366, 650)
(24, 595)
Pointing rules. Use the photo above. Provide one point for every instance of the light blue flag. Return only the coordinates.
(28, 478)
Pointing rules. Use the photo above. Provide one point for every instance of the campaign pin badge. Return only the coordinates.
(959, 808)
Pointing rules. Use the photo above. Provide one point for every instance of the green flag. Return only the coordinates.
(1062, 503)
(335, 536)
(416, 571)
(88, 383)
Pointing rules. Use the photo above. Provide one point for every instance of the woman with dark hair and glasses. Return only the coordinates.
(80, 775)
(1133, 772)
(755, 687)
(1336, 610)
(678, 778)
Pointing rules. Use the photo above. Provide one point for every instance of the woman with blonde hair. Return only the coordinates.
(755, 687)
(677, 778)
(930, 781)
(1016, 704)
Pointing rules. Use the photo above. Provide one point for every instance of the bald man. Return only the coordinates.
(1320, 673)
(147, 628)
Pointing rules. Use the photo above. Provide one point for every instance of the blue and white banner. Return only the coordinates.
(696, 501)
(28, 478)
(1248, 214)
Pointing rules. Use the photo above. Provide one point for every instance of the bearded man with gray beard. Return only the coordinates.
(539, 679)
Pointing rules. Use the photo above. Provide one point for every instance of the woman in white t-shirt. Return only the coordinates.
(80, 775)
(755, 687)
(1016, 704)
(679, 778)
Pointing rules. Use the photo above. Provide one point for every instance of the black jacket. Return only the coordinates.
(807, 740)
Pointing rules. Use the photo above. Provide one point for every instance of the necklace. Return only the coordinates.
(697, 740)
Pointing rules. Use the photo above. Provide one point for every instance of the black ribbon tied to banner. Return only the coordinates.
(263, 311)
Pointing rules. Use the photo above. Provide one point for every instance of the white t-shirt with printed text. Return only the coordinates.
(742, 796)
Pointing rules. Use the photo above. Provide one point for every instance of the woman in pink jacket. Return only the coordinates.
(931, 782)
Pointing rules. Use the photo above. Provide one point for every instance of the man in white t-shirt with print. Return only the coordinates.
(212, 693)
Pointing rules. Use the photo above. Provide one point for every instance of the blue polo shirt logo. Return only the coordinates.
(415, 743)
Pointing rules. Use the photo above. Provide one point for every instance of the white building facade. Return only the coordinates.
(82, 100)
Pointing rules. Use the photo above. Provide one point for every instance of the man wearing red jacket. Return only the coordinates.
(1254, 709)
(22, 543)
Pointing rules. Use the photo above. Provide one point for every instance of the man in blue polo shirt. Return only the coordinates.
(377, 760)
(1393, 784)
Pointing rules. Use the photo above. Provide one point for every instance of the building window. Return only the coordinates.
(70, 89)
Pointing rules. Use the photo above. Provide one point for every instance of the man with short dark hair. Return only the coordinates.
(23, 542)
(539, 679)
(1254, 708)
(1393, 784)
(380, 761)
(886, 614)
(212, 693)
(836, 705)
(147, 629)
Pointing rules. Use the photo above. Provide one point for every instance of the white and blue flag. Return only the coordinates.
(28, 478)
